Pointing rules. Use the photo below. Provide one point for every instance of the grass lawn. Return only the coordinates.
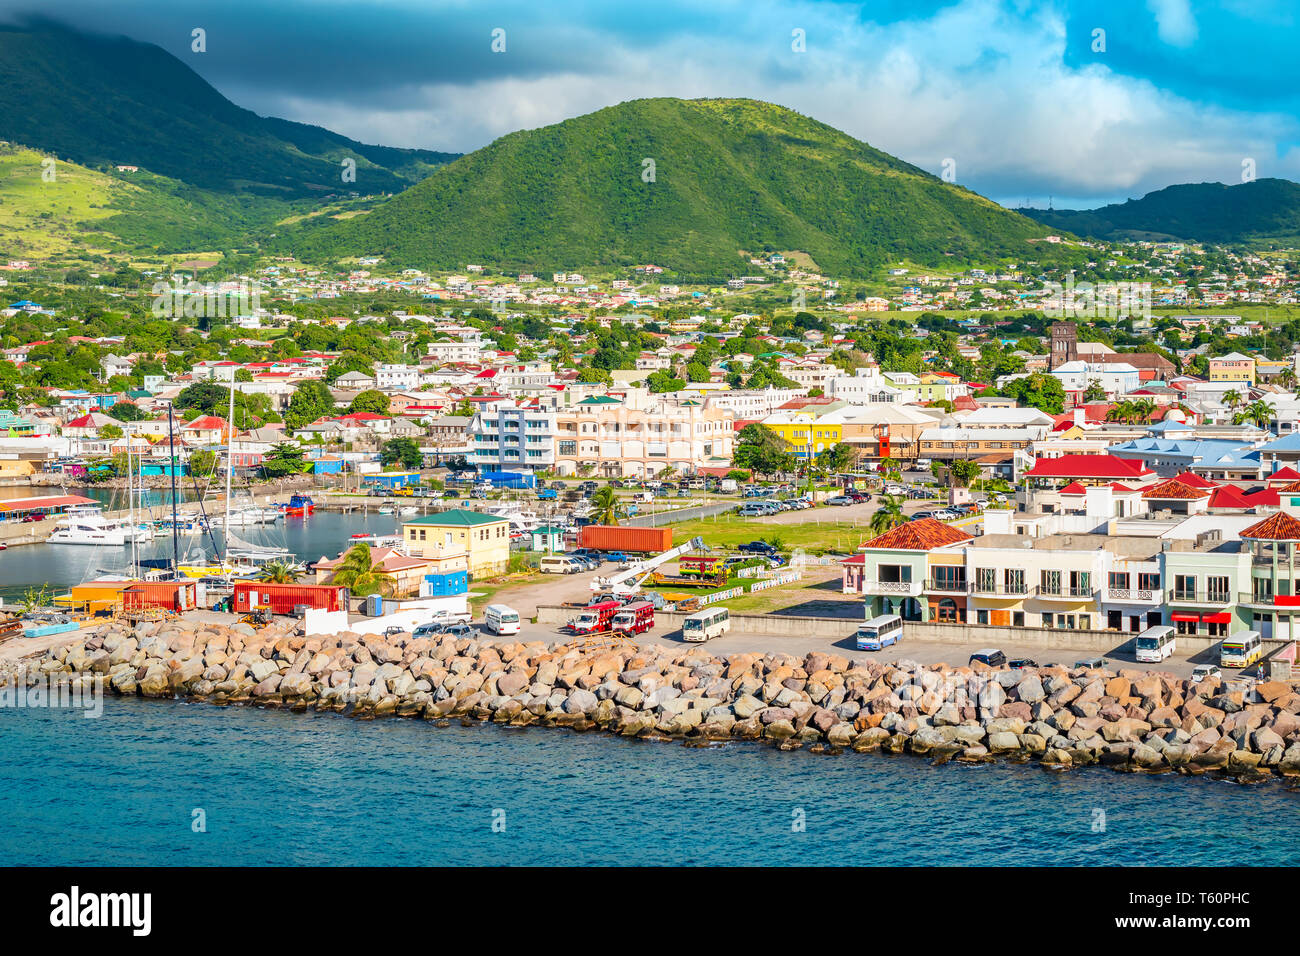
(815, 532)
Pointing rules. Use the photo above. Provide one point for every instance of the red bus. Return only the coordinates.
(635, 618)
(595, 617)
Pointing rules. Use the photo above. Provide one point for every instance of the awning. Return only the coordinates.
(1223, 617)
(1185, 616)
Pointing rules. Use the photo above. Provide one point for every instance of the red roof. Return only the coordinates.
(1096, 467)
(1276, 527)
(204, 422)
(85, 421)
(1285, 473)
(1228, 497)
(1196, 481)
(924, 534)
(1074, 488)
(1175, 490)
(1264, 498)
(37, 504)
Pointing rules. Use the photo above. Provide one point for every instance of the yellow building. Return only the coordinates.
(484, 539)
(1233, 367)
(806, 434)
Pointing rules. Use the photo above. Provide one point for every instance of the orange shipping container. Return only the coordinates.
(170, 595)
(283, 598)
(603, 537)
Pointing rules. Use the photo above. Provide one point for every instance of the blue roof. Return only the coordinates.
(1289, 442)
(1169, 425)
(1201, 452)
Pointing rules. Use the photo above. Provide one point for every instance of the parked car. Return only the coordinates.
(840, 501)
(1091, 663)
(923, 514)
(990, 656)
(756, 547)
(1202, 671)
(751, 510)
(1016, 663)
(459, 631)
(895, 489)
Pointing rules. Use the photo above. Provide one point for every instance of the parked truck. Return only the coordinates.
(595, 618)
(602, 537)
(635, 618)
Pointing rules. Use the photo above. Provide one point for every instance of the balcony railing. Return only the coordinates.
(1188, 596)
(1139, 595)
(910, 588)
(1066, 592)
(946, 586)
(1001, 589)
(1266, 600)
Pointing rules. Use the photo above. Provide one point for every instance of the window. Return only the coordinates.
(1047, 620)
(1015, 580)
(986, 579)
(1149, 582)
(1184, 587)
(1217, 589)
(1185, 627)
(1118, 581)
(1085, 622)
(950, 577)
(1217, 630)
(947, 610)
(981, 617)
(1017, 618)
(1050, 582)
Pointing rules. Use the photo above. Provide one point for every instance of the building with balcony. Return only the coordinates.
(641, 435)
(505, 436)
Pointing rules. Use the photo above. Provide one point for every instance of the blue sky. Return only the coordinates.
(1027, 98)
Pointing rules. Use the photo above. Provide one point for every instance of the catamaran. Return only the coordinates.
(90, 527)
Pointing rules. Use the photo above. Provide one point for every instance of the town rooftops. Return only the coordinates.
(1094, 467)
(1175, 490)
(458, 517)
(924, 534)
(1276, 527)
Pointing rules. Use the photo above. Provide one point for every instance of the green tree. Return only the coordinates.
(762, 451)
(361, 574)
(888, 515)
(284, 458)
(1095, 392)
(1037, 390)
(963, 471)
(279, 572)
(401, 451)
(371, 400)
(311, 402)
(606, 507)
(127, 412)
(111, 432)
(203, 463)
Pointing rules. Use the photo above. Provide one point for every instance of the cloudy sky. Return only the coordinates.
(1083, 102)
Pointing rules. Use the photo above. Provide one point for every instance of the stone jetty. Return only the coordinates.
(1127, 719)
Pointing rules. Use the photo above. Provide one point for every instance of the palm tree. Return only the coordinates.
(1144, 408)
(1259, 412)
(888, 515)
(361, 575)
(606, 508)
(1121, 411)
(1286, 378)
(279, 572)
(1232, 398)
(889, 467)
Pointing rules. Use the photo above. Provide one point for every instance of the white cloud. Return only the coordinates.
(974, 82)
(1175, 23)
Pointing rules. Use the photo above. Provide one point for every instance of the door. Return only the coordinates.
(1114, 620)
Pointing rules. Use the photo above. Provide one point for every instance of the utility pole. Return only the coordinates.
(176, 535)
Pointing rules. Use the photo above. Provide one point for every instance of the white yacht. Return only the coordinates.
(246, 517)
(89, 526)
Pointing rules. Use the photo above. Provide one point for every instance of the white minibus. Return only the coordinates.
(705, 624)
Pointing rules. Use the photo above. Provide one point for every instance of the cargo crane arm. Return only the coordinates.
(629, 581)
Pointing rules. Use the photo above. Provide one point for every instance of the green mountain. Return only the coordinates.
(1265, 210)
(106, 101)
(731, 179)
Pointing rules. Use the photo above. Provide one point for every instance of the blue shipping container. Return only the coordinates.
(444, 585)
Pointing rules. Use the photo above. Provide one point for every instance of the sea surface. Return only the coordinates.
(186, 783)
(61, 566)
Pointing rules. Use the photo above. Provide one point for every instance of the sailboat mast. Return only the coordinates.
(176, 535)
(230, 470)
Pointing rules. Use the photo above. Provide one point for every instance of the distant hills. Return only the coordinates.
(1265, 210)
(106, 101)
(729, 178)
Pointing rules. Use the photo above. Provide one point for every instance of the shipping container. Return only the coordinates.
(445, 585)
(175, 596)
(283, 598)
(94, 596)
(603, 537)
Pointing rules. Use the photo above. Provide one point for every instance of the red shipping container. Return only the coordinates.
(605, 537)
(170, 595)
(283, 598)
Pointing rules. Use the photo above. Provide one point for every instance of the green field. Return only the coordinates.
(39, 219)
(815, 532)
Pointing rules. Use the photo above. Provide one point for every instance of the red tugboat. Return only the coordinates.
(299, 506)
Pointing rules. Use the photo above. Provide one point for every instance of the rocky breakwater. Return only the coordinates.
(1129, 720)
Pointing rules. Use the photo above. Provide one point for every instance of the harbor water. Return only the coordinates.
(177, 783)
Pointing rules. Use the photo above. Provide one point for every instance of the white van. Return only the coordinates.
(705, 624)
(500, 619)
(557, 564)
(1155, 644)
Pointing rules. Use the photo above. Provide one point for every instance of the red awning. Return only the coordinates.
(1224, 617)
(1184, 616)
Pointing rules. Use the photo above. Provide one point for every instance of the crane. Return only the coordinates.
(628, 581)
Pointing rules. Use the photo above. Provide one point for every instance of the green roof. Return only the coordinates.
(459, 517)
(600, 400)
